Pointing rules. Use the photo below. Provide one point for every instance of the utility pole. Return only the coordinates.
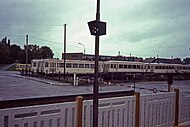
(26, 68)
(96, 85)
(97, 28)
(64, 50)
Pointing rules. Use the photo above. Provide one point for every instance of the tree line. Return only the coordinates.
(14, 53)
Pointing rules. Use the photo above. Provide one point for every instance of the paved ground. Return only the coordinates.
(14, 86)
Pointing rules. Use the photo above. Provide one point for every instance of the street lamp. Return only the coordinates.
(84, 48)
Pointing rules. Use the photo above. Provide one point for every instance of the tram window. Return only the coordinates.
(81, 65)
(91, 65)
(156, 67)
(34, 64)
(148, 67)
(51, 64)
(61, 64)
(75, 65)
(68, 65)
(120, 66)
(115, 66)
(87, 66)
(111, 65)
(125, 66)
(129, 66)
(172, 67)
(46, 64)
(138, 67)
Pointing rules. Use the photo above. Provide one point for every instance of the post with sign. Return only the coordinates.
(97, 28)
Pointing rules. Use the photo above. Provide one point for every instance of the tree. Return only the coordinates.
(4, 51)
(22, 56)
(14, 50)
(186, 61)
(45, 52)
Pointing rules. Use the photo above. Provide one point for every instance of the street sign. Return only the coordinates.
(97, 27)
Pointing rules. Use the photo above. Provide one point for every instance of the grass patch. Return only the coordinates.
(12, 68)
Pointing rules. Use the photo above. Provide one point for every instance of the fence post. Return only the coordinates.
(79, 100)
(176, 107)
(137, 110)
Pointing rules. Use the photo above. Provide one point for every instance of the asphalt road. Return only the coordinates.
(14, 86)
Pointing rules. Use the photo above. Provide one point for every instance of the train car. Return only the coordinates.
(55, 66)
(124, 67)
(21, 67)
(77, 67)
(161, 68)
(185, 69)
(36, 65)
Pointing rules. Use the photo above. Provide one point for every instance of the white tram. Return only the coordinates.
(55, 66)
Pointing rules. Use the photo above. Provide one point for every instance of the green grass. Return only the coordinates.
(12, 68)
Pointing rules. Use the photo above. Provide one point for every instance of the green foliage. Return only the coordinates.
(11, 53)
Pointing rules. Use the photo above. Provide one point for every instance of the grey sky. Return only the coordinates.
(143, 28)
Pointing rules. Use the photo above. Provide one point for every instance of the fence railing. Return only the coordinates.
(184, 106)
(114, 112)
(52, 115)
(155, 110)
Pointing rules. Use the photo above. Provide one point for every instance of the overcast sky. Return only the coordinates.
(144, 28)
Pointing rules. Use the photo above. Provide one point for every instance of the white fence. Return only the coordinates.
(113, 112)
(184, 106)
(53, 115)
(155, 110)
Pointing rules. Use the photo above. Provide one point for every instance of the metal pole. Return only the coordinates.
(64, 50)
(96, 85)
(84, 48)
(26, 71)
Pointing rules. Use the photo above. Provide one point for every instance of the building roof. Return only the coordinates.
(149, 60)
(168, 61)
